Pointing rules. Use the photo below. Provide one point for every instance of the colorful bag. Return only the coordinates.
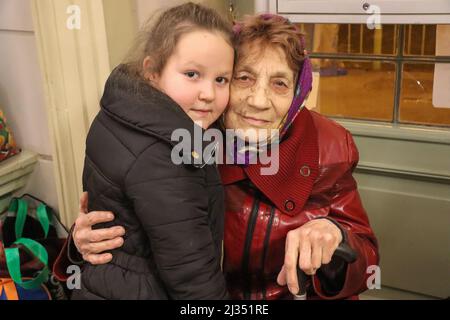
(8, 146)
(9, 290)
(31, 237)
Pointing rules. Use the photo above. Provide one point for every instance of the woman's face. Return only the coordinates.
(261, 91)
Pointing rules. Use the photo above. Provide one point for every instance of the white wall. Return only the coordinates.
(21, 94)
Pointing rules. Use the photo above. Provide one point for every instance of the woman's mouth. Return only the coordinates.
(255, 121)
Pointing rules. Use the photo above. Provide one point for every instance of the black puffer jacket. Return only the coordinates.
(173, 214)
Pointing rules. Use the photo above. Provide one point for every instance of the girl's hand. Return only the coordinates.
(92, 244)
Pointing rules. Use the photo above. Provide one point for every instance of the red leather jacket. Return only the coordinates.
(314, 180)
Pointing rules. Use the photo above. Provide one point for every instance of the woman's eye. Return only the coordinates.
(281, 84)
(222, 80)
(243, 79)
(191, 74)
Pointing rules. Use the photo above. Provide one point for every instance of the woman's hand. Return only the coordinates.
(93, 243)
(309, 247)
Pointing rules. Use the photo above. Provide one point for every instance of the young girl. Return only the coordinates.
(173, 214)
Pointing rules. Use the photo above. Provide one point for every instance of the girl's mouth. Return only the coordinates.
(201, 113)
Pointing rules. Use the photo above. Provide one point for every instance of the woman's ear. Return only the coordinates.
(146, 67)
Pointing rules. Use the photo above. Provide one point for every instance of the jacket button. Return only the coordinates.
(195, 155)
(305, 171)
(289, 205)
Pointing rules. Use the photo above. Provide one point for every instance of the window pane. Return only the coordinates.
(350, 38)
(420, 40)
(416, 100)
(363, 90)
(427, 40)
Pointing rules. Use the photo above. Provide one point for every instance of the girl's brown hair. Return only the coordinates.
(264, 31)
(158, 40)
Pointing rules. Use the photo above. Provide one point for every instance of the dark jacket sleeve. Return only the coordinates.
(341, 280)
(171, 203)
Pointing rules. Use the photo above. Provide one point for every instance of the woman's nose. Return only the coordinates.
(259, 99)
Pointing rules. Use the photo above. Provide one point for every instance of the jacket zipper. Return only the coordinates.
(266, 248)
(247, 247)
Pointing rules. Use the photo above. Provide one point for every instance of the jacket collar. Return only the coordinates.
(137, 105)
(290, 188)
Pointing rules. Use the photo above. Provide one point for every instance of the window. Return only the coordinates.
(397, 74)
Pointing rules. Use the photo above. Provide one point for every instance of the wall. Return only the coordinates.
(21, 94)
(146, 8)
(243, 7)
(121, 27)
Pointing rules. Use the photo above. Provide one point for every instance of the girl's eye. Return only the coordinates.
(222, 80)
(191, 74)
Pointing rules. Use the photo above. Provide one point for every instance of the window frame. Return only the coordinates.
(350, 11)
(399, 59)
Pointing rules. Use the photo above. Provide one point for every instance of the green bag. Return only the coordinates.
(32, 237)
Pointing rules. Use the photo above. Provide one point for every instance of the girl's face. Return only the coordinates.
(197, 75)
(261, 91)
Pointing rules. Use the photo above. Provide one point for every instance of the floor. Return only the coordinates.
(386, 293)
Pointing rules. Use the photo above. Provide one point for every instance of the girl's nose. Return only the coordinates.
(207, 93)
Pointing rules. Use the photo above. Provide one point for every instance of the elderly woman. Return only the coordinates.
(296, 217)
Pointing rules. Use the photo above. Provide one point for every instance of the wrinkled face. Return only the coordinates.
(197, 75)
(262, 90)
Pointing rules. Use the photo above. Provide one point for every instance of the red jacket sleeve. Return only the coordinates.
(347, 211)
(68, 256)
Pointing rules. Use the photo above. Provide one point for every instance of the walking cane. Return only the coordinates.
(343, 251)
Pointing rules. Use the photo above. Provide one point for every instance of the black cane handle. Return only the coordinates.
(343, 251)
(346, 253)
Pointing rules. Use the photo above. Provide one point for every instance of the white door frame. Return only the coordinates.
(75, 65)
